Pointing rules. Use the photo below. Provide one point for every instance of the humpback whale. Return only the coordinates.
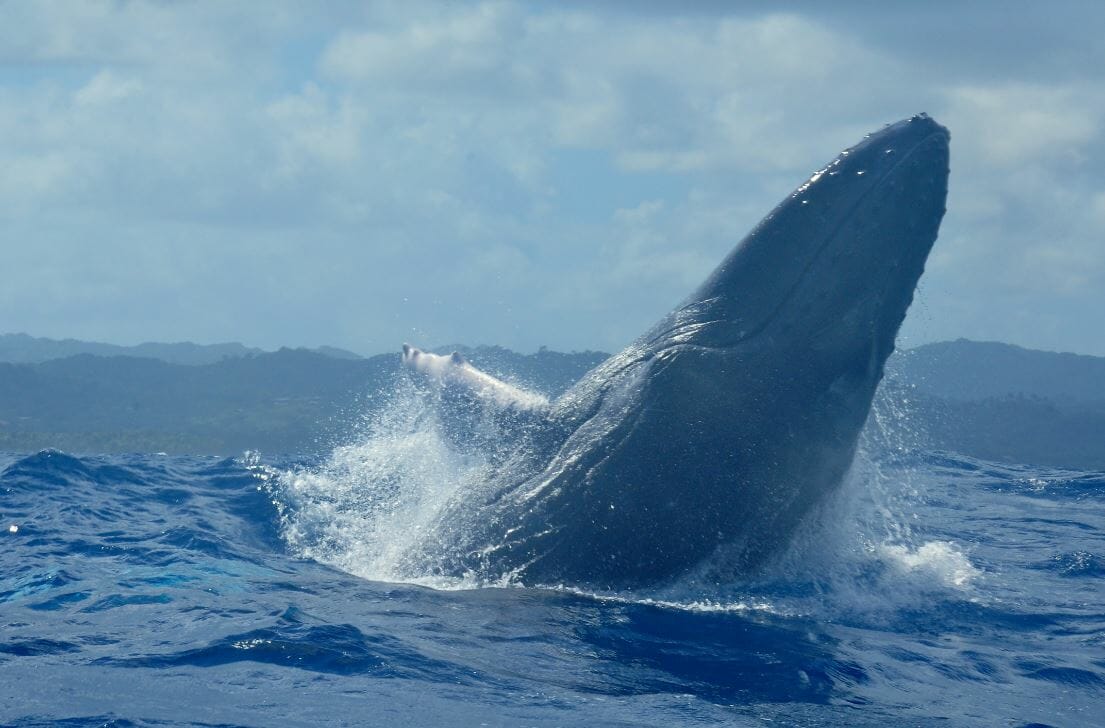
(718, 430)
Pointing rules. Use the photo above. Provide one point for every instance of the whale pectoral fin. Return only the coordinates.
(459, 378)
(477, 411)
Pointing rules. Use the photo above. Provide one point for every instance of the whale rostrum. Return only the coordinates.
(735, 415)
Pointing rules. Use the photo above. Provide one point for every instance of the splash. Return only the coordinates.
(371, 505)
(865, 553)
(890, 453)
(373, 509)
(941, 560)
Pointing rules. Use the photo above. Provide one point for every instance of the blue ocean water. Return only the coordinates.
(257, 591)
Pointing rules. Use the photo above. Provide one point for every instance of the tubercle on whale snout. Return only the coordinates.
(727, 422)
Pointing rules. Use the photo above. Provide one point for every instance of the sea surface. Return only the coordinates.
(264, 590)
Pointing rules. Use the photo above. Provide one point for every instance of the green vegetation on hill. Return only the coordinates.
(993, 401)
(289, 401)
(24, 349)
(965, 370)
(1004, 403)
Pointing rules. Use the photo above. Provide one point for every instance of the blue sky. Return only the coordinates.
(362, 174)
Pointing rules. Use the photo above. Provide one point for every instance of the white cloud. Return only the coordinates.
(1013, 123)
(25, 179)
(310, 128)
(458, 44)
(106, 88)
(588, 166)
(1021, 232)
(1098, 210)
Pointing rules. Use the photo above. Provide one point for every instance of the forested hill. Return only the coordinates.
(289, 401)
(1004, 403)
(24, 349)
(988, 400)
(965, 370)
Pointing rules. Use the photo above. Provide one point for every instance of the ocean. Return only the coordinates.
(264, 590)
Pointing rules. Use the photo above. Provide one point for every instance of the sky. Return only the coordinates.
(522, 174)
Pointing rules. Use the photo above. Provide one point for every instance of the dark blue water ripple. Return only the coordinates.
(151, 590)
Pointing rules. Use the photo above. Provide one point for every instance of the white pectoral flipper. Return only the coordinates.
(455, 374)
(477, 413)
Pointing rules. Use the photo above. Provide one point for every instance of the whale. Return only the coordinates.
(718, 432)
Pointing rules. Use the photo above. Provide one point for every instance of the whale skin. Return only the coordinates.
(719, 430)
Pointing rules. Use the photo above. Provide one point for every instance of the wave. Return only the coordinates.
(928, 587)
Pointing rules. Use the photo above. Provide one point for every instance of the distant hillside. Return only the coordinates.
(993, 401)
(24, 349)
(965, 370)
(1004, 403)
(289, 401)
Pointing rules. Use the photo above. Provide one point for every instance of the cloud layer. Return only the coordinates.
(511, 173)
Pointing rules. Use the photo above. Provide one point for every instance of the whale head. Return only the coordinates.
(837, 261)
